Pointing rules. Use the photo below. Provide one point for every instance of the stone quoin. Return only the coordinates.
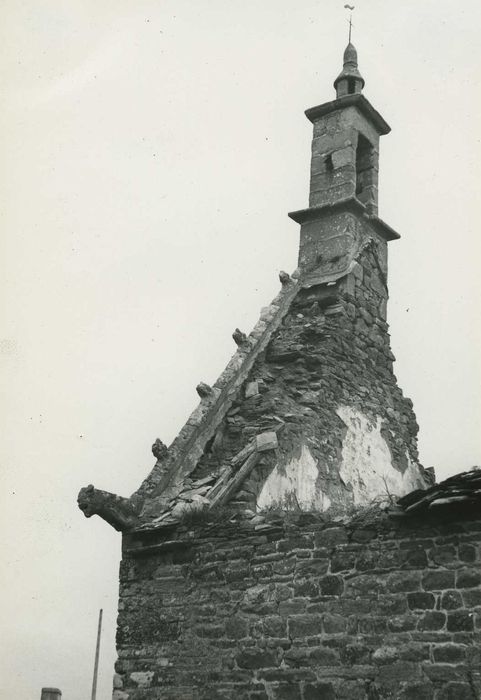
(289, 545)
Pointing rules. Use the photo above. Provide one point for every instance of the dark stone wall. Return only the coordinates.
(332, 349)
(299, 609)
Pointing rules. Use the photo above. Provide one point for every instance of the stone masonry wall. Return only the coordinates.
(325, 385)
(301, 609)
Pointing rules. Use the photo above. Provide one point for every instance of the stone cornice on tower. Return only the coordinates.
(356, 100)
(350, 204)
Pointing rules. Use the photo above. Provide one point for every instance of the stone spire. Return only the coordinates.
(349, 81)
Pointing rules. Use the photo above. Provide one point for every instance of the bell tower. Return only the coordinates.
(343, 191)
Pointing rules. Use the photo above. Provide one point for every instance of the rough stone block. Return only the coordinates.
(266, 441)
(255, 658)
(342, 157)
(286, 691)
(293, 606)
(318, 691)
(421, 600)
(385, 655)
(437, 580)
(468, 578)
(142, 679)
(355, 654)
(450, 600)
(456, 691)
(365, 584)
(432, 620)
(304, 625)
(449, 653)
(367, 560)
(472, 598)
(404, 581)
(392, 673)
(274, 626)
(236, 627)
(467, 553)
(414, 651)
(331, 585)
(372, 625)
(252, 389)
(331, 536)
(391, 604)
(284, 567)
(460, 621)
(419, 690)
(296, 542)
(306, 587)
(415, 557)
(402, 623)
(342, 561)
(323, 656)
(334, 624)
(308, 567)
(445, 555)
(363, 535)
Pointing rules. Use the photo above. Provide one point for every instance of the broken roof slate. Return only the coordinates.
(460, 489)
(167, 477)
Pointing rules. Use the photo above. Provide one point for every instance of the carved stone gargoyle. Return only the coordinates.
(121, 513)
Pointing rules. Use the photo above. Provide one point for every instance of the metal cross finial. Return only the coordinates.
(351, 8)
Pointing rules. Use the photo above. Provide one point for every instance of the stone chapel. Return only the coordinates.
(288, 545)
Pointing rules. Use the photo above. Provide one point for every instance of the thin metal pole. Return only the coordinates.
(97, 650)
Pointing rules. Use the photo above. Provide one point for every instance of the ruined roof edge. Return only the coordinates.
(187, 448)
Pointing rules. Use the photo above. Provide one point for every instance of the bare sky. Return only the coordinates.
(151, 151)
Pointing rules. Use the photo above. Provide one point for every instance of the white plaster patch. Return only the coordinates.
(366, 460)
(295, 483)
(143, 679)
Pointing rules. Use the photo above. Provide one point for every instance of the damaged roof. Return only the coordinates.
(461, 490)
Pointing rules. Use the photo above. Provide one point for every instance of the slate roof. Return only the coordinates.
(461, 490)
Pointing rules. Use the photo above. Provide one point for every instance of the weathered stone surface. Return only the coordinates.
(456, 691)
(421, 601)
(121, 513)
(450, 600)
(307, 421)
(331, 585)
(460, 621)
(226, 622)
(256, 658)
(468, 578)
(432, 621)
(449, 653)
(304, 625)
(437, 580)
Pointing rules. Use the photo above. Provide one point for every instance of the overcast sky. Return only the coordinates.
(151, 150)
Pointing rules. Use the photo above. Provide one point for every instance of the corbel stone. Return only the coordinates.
(204, 390)
(240, 338)
(159, 450)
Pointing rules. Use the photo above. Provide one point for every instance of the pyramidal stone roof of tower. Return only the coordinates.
(307, 413)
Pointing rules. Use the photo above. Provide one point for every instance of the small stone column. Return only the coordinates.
(51, 694)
